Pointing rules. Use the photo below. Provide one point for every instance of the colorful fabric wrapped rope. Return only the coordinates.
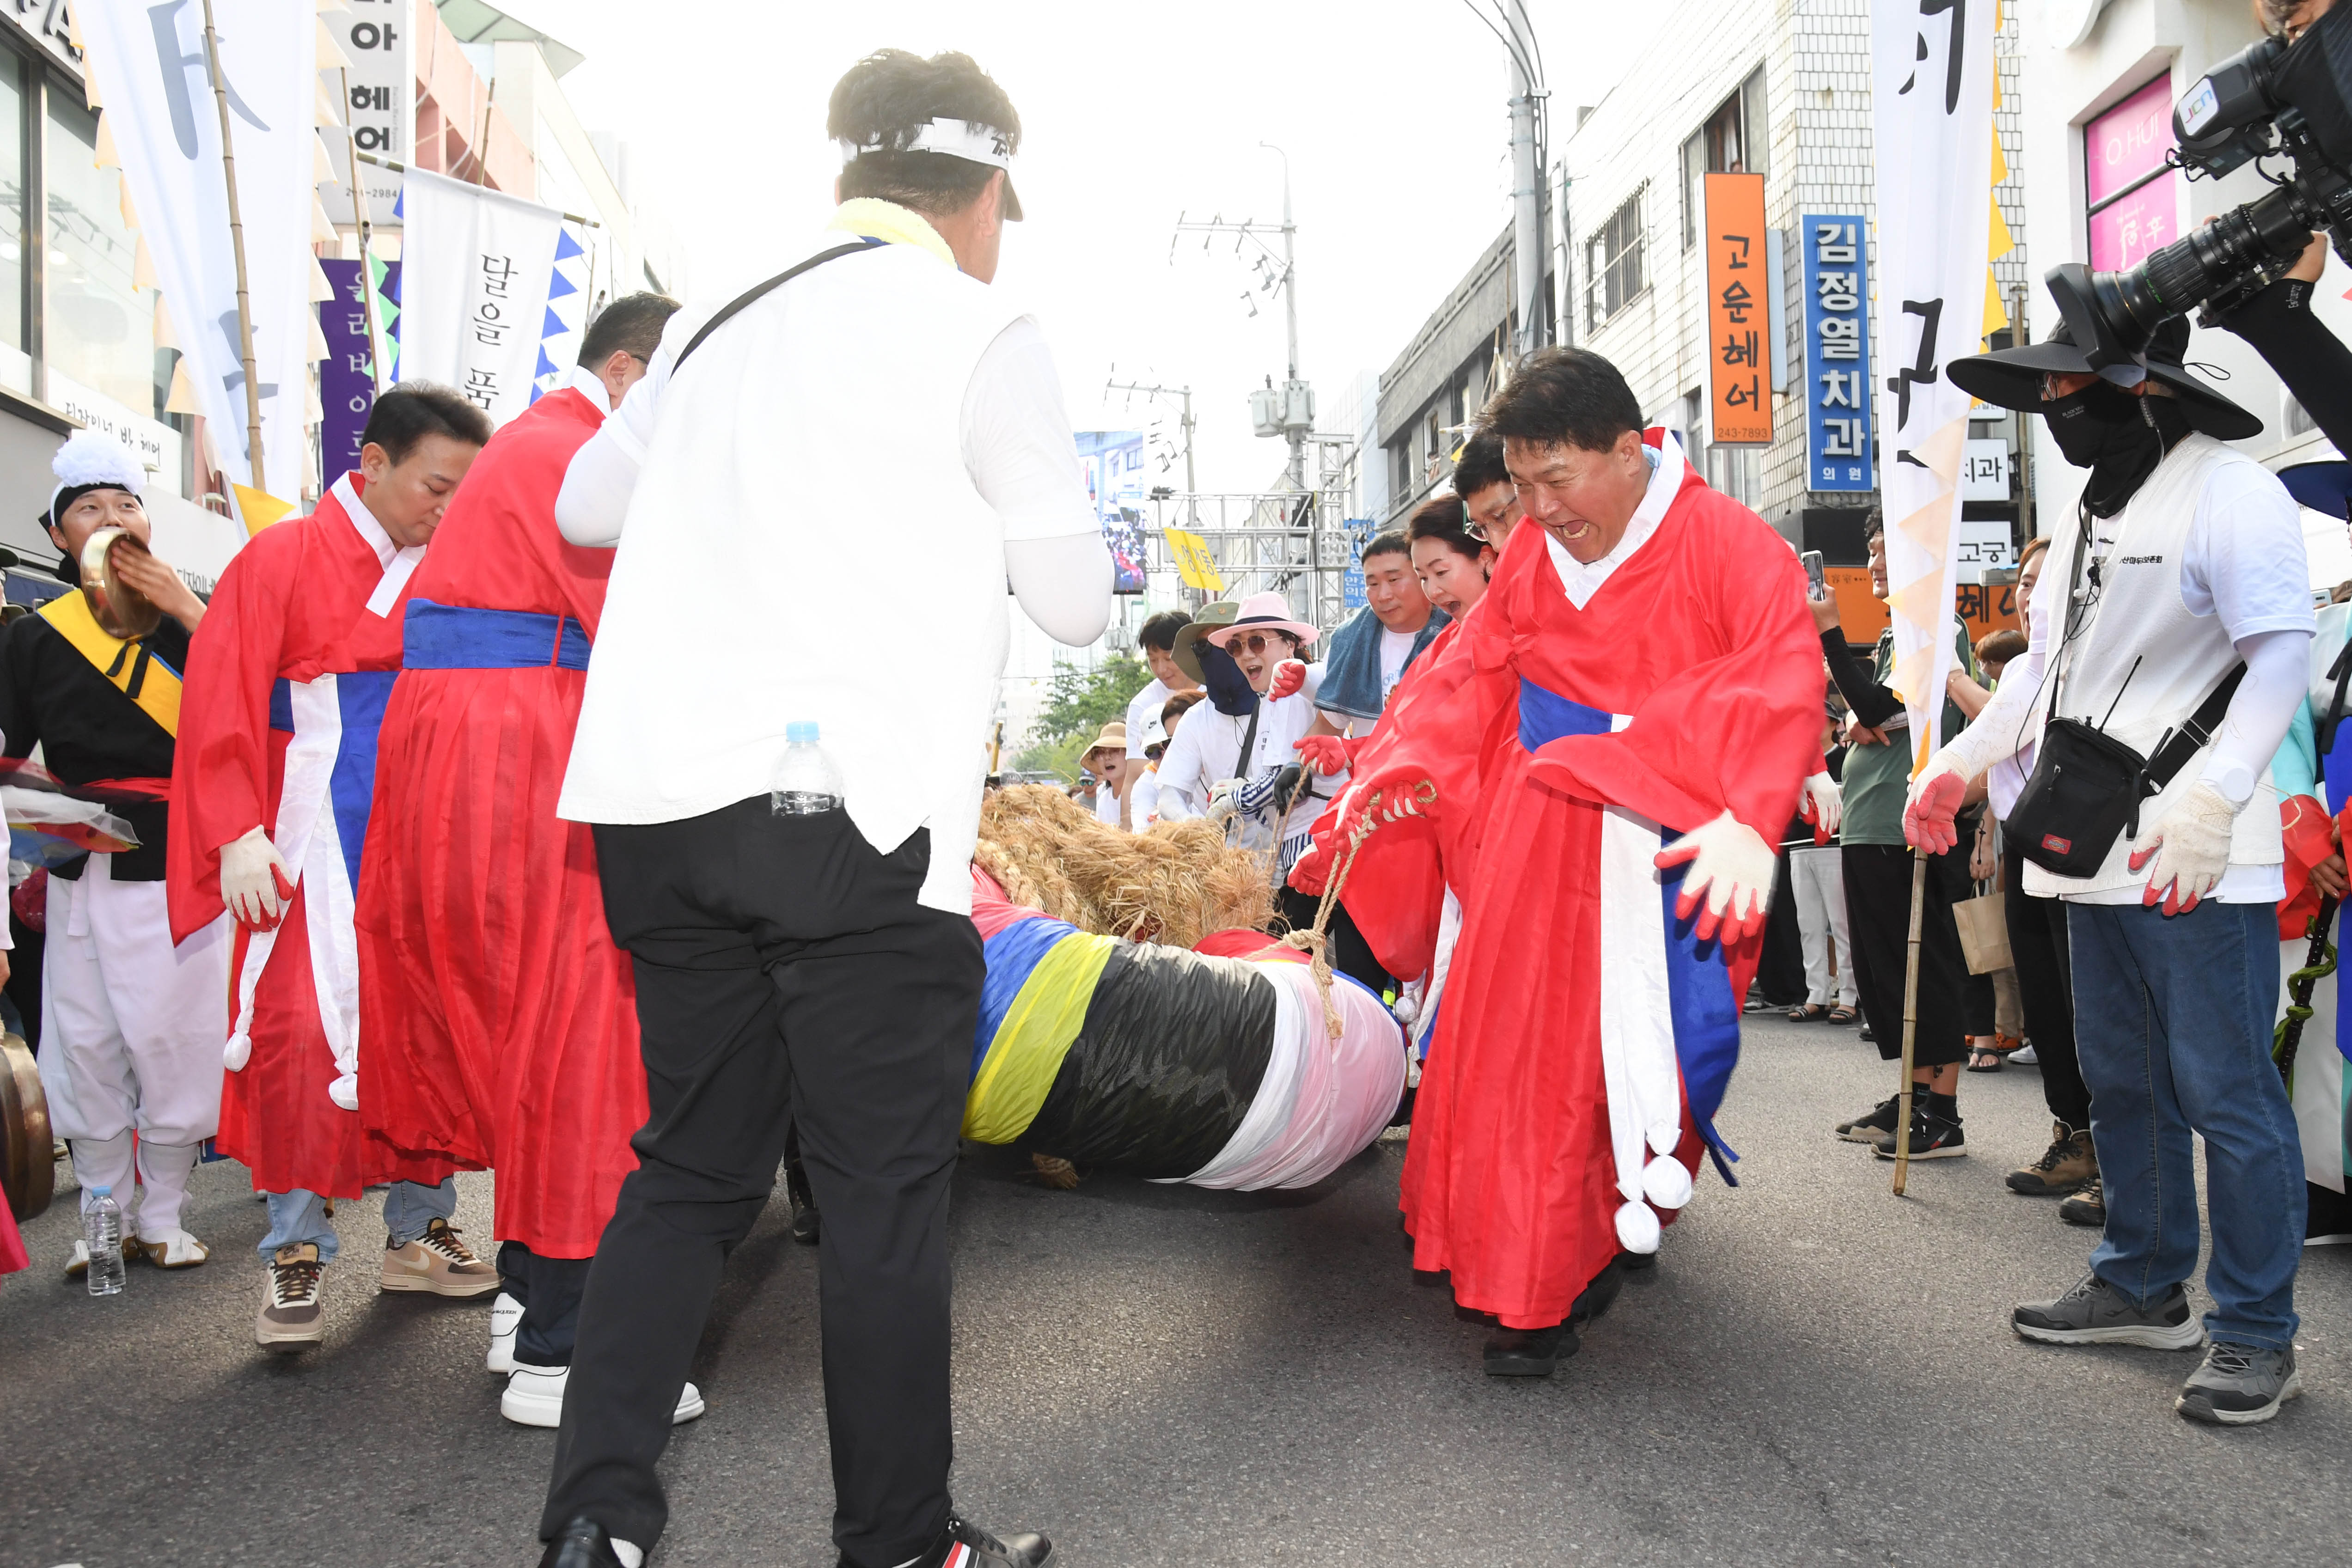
(1210, 1065)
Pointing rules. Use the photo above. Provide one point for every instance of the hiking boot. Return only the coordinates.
(2096, 1312)
(2064, 1166)
(1935, 1132)
(437, 1262)
(1873, 1124)
(291, 1315)
(2088, 1206)
(2239, 1385)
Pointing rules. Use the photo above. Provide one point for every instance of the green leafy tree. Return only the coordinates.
(1078, 703)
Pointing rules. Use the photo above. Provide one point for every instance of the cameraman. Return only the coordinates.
(2186, 559)
(2279, 321)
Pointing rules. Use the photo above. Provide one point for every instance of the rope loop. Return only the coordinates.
(1316, 941)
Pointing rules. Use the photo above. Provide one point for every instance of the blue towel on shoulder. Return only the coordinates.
(1352, 662)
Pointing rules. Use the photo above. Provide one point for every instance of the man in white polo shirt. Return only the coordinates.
(816, 968)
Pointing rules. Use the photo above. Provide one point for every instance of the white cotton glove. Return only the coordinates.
(1933, 802)
(254, 883)
(2189, 845)
(1731, 870)
(1222, 808)
(1824, 805)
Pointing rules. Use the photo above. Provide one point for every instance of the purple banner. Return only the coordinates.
(346, 383)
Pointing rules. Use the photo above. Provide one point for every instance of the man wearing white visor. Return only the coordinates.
(813, 961)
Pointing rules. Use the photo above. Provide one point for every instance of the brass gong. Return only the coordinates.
(28, 1156)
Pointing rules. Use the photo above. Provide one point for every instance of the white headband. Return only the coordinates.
(966, 139)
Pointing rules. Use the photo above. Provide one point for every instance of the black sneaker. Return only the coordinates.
(582, 1545)
(2096, 1312)
(2088, 1206)
(963, 1544)
(1529, 1353)
(2239, 1385)
(1935, 1133)
(804, 1202)
(1873, 1124)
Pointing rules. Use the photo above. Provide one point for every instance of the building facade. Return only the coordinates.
(2103, 78)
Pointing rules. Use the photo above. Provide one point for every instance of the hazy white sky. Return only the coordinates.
(1391, 110)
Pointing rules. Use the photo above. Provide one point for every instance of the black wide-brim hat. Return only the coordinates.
(2012, 377)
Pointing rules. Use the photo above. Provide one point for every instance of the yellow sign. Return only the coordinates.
(1195, 567)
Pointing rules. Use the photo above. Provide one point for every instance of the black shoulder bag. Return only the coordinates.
(2088, 786)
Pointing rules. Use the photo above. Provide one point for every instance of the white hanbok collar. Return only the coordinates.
(590, 385)
(396, 562)
(1582, 579)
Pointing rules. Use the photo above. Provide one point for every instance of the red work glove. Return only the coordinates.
(1935, 801)
(1729, 882)
(1327, 754)
(1312, 873)
(1289, 676)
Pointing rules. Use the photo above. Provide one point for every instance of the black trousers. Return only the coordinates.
(1878, 917)
(1780, 967)
(786, 975)
(2045, 989)
(1351, 954)
(549, 1290)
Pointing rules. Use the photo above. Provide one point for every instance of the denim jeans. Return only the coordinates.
(409, 1208)
(2172, 1024)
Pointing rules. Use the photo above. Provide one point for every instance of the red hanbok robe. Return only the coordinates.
(500, 1019)
(1700, 664)
(307, 598)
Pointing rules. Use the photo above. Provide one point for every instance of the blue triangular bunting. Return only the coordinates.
(399, 199)
(554, 326)
(537, 392)
(546, 365)
(565, 245)
(558, 285)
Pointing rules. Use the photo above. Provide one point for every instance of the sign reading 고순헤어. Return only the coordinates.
(1739, 366)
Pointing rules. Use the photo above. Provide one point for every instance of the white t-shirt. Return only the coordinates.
(1106, 802)
(888, 362)
(1396, 647)
(1143, 800)
(1142, 709)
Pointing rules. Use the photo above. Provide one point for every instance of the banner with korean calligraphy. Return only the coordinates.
(347, 375)
(1835, 268)
(1739, 368)
(475, 267)
(1932, 126)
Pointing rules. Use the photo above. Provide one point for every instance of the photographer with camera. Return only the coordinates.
(2167, 659)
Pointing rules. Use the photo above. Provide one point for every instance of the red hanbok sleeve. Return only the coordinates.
(220, 769)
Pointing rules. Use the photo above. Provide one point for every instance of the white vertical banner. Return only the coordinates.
(1931, 97)
(476, 266)
(378, 94)
(154, 83)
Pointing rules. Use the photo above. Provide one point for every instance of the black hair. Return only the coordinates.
(1873, 527)
(887, 97)
(630, 325)
(1440, 519)
(1570, 397)
(1159, 632)
(1480, 467)
(1394, 542)
(407, 414)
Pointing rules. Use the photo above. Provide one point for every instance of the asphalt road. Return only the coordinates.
(1816, 1373)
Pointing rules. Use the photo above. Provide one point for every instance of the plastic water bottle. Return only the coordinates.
(102, 1227)
(806, 780)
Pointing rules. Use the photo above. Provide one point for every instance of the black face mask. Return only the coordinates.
(2119, 437)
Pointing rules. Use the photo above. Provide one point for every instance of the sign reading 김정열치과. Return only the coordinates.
(1837, 354)
(1738, 315)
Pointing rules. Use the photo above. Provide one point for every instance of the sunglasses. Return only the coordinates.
(1256, 641)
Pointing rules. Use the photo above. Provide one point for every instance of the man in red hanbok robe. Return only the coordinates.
(270, 787)
(1600, 760)
(501, 1021)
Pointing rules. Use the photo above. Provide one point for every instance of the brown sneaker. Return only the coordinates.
(2064, 1167)
(289, 1316)
(437, 1262)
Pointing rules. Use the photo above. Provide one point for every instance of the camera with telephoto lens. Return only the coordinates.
(2271, 98)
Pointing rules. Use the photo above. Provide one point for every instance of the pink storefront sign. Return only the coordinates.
(2134, 200)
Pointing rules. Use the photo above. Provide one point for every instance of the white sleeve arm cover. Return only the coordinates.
(2260, 712)
(594, 499)
(2011, 720)
(1064, 584)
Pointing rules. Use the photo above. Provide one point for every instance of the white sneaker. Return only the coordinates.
(2024, 1056)
(174, 1249)
(506, 1320)
(534, 1398)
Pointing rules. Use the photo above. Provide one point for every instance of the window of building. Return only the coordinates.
(16, 361)
(1432, 441)
(97, 330)
(1400, 483)
(1733, 140)
(1613, 265)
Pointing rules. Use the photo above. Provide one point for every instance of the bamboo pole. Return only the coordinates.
(1910, 1022)
(237, 245)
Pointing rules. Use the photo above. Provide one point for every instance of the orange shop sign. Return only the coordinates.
(1739, 339)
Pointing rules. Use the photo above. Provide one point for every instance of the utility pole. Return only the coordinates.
(1527, 246)
(1288, 411)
